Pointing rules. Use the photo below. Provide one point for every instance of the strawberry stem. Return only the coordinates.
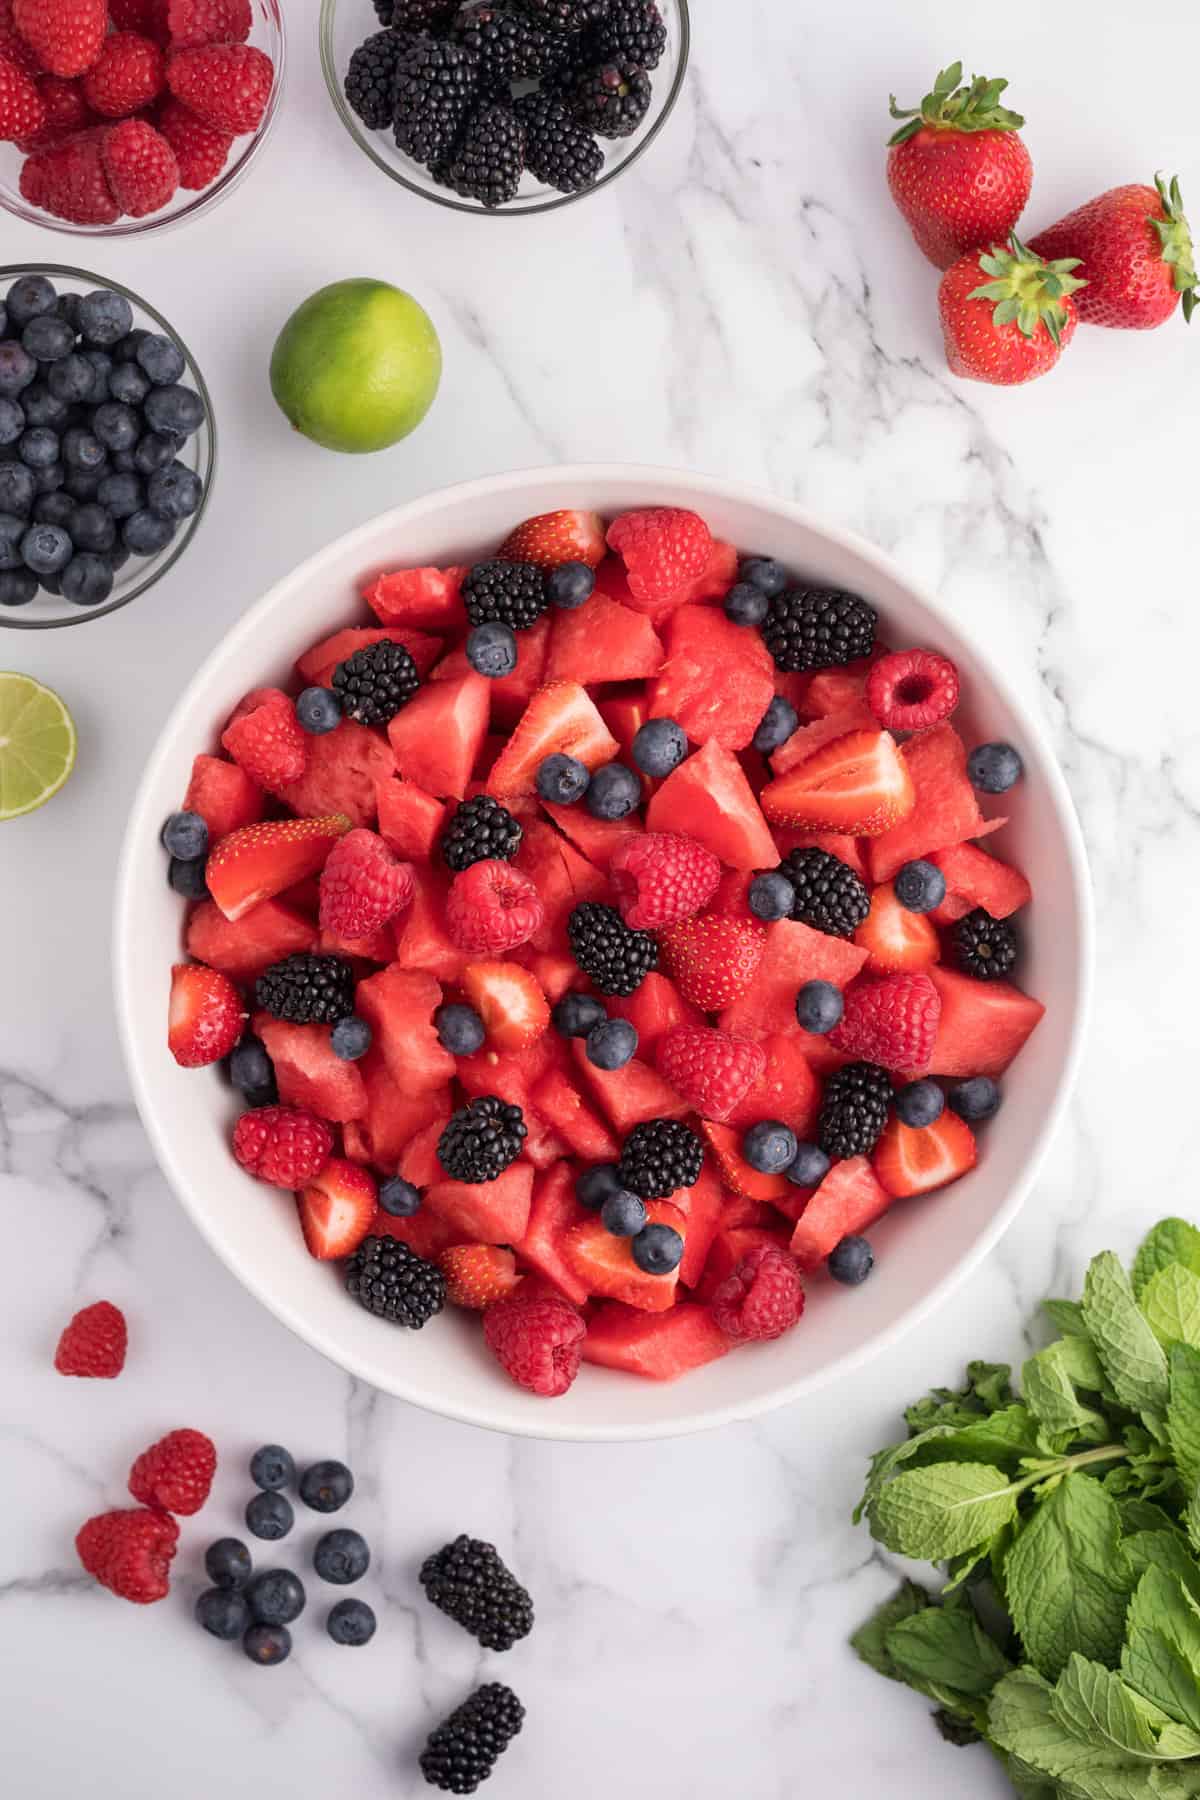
(952, 107)
(1028, 292)
(1174, 234)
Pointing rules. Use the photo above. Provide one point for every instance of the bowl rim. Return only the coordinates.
(126, 971)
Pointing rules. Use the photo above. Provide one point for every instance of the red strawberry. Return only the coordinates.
(957, 170)
(146, 16)
(492, 907)
(206, 1016)
(762, 1299)
(1013, 327)
(909, 690)
(93, 1343)
(709, 1069)
(129, 1552)
(1136, 249)
(68, 180)
(337, 1208)
(22, 114)
(282, 1145)
(257, 862)
(537, 1339)
(858, 785)
(140, 166)
(227, 84)
(477, 1275)
(195, 22)
(554, 538)
(176, 1473)
(67, 35)
(663, 549)
(712, 960)
(201, 150)
(661, 877)
(895, 938)
(127, 75)
(362, 885)
(510, 1002)
(914, 1162)
(64, 110)
(892, 1021)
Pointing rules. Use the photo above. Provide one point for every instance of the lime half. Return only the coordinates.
(37, 744)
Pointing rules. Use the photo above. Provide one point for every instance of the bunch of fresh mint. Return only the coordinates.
(1067, 1518)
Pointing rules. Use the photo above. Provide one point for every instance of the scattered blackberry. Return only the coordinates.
(566, 15)
(558, 151)
(480, 828)
(376, 682)
(371, 75)
(612, 99)
(615, 956)
(985, 947)
(416, 15)
(818, 628)
(658, 1157)
(436, 86)
(505, 593)
(481, 1139)
(464, 1749)
(829, 895)
(510, 46)
(306, 989)
(490, 158)
(394, 1283)
(633, 29)
(384, 9)
(469, 1583)
(854, 1110)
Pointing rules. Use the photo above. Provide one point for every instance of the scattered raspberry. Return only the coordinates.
(892, 1022)
(15, 50)
(763, 1298)
(176, 1473)
(66, 35)
(663, 549)
(205, 1017)
(65, 111)
(227, 84)
(362, 885)
(712, 959)
(478, 1275)
(149, 17)
(283, 1145)
(192, 23)
(127, 75)
(266, 739)
(661, 877)
(912, 689)
(68, 180)
(22, 114)
(94, 1343)
(709, 1069)
(201, 150)
(140, 166)
(492, 907)
(537, 1339)
(129, 1552)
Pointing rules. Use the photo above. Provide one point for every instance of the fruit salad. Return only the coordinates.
(601, 939)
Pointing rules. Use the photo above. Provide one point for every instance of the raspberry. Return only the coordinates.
(201, 150)
(477, 1275)
(176, 1473)
(129, 1552)
(892, 1022)
(912, 689)
(127, 75)
(662, 547)
(283, 1145)
(192, 23)
(64, 112)
(362, 885)
(763, 1298)
(227, 84)
(709, 1069)
(15, 50)
(68, 180)
(267, 740)
(93, 1343)
(140, 166)
(146, 16)
(712, 959)
(22, 114)
(661, 877)
(538, 1340)
(492, 907)
(66, 35)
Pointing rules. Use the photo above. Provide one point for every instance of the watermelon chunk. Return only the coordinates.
(717, 681)
(605, 1263)
(394, 1114)
(510, 694)
(378, 948)
(708, 798)
(602, 641)
(344, 767)
(983, 1024)
(224, 795)
(554, 972)
(308, 1074)
(431, 598)
(511, 1075)
(702, 1206)
(794, 954)
(653, 1007)
(848, 1202)
(598, 839)
(422, 941)
(244, 947)
(410, 820)
(730, 1245)
(425, 1233)
(562, 878)
(630, 1095)
(974, 878)
(660, 1347)
(561, 1104)
(839, 690)
(438, 735)
(786, 1090)
(726, 1145)
(419, 1158)
(315, 668)
(552, 1213)
(490, 1212)
(399, 1006)
(560, 717)
(945, 812)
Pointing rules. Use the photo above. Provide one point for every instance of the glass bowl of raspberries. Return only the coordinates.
(512, 106)
(125, 116)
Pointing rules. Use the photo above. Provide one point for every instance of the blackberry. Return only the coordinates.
(505, 593)
(818, 628)
(658, 1157)
(611, 99)
(436, 86)
(558, 151)
(615, 956)
(306, 989)
(490, 158)
(567, 15)
(376, 682)
(633, 29)
(464, 1749)
(480, 828)
(394, 1283)
(481, 1139)
(829, 896)
(371, 76)
(854, 1110)
(416, 15)
(985, 947)
(510, 46)
(469, 1583)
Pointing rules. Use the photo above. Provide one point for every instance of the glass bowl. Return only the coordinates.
(47, 611)
(266, 32)
(346, 23)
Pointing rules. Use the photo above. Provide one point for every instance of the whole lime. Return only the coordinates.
(357, 366)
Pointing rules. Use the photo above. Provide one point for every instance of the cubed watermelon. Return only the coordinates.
(315, 668)
(430, 598)
(602, 641)
(399, 1005)
(848, 1202)
(410, 820)
(394, 1115)
(492, 1212)
(418, 1161)
(427, 1234)
(422, 941)
(946, 810)
(562, 878)
(837, 691)
(630, 1095)
(560, 1103)
(559, 717)
(794, 954)
(718, 678)
(701, 1205)
(511, 1075)
(344, 767)
(308, 1074)
(605, 1264)
(224, 796)
(597, 839)
(786, 1090)
(660, 1347)
(437, 736)
(554, 971)
(983, 1024)
(377, 948)
(974, 878)
(243, 948)
(708, 798)
(553, 1211)
(510, 694)
(654, 1006)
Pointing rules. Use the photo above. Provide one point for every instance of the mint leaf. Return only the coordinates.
(870, 1640)
(1170, 1302)
(1093, 1702)
(1048, 1380)
(1003, 1437)
(1130, 1354)
(1170, 1241)
(1161, 1658)
(1067, 1315)
(1166, 1551)
(1067, 1579)
(1191, 1521)
(885, 1462)
(988, 1387)
(1183, 1411)
(1021, 1721)
(939, 1512)
(1143, 1515)
(946, 1647)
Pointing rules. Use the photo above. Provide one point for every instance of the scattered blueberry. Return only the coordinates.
(594, 1185)
(153, 450)
(769, 1147)
(977, 1100)
(611, 1044)
(146, 534)
(920, 1104)
(562, 780)
(42, 406)
(82, 449)
(268, 1644)
(12, 421)
(50, 479)
(104, 317)
(46, 549)
(174, 409)
(399, 1197)
(17, 490)
(126, 347)
(319, 710)
(613, 792)
(174, 492)
(223, 1611)
(187, 878)
(351, 1622)
(252, 1074)
(39, 447)
(492, 650)
(851, 1261)
(920, 886)
(161, 359)
(92, 528)
(185, 835)
(228, 1564)
(17, 369)
(657, 1249)
(809, 1166)
(659, 746)
(570, 585)
(269, 1516)
(275, 1597)
(121, 495)
(994, 768)
(12, 531)
(623, 1214)
(746, 604)
(765, 574)
(87, 579)
(272, 1467)
(341, 1556)
(101, 366)
(576, 1015)
(70, 381)
(326, 1486)
(819, 1007)
(771, 896)
(776, 725)
(128, 384)
(27, 298)
(460, 1029)
(350, 1038)
(116, 426)
(17, 586)
(48, 338)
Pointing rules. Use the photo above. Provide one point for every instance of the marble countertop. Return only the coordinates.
(745, 302)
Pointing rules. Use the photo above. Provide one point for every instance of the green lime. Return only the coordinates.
(357, 366)
(37, 744)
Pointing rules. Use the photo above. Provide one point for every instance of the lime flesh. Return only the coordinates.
(37, 744)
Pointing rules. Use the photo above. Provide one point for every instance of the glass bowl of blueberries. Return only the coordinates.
(107, 446)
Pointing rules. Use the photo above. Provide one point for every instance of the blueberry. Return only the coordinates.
(82, 484)
(93, 528)
(819, 1007)
(126, 348)
(268, 1645)
(176, 409)
(185, 835)
(272, 1466)
(161, 359)
(188, 879)
(659, 747)
(765, 574)
(351, 1622)
(319, 710)
(920, 886)
(575, 1015)
(771, 896)
(613, 792)
(128, 384)
(17, 488)
(117, 557)
(746, 604)
(594, 1186)
(104, 317)
(87, 579)
(121, 496)
(46, 549)
(48, 338)
(42, 406)
(17, 369)
(769, 1147)
(809, 1166)
(71, 380)
(657, 1249)
(269, 1516)
(49, 479)
(570, 585)
(28, 297)
(994, 768)
(460, 1029)
(174, 492)
(146, 534)
(275, 1597)
(12, 530)
(492, 650)
(562, 780)
(39, 447)
(67, 307)
(623, 1214)
(228, 1563)
(776, 725)
(82, 449)
(341, 1557)
(154, 450)
(399, 1197)
(611, 1044)
(350, 1038)
(326, 1486)
(223, 1611)
(919, 1104)
(17, 586)
(54, 509)
(976, 1100)
(852, 1261)
(12, 421)
(116, 426)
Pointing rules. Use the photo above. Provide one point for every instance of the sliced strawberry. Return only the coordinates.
(317, 665)
(605, 1264)
(336, 1209)
(709, 798)
(205, 1018)
(859, 784)
(848, 1202)
(224, 795)
(509, 1001)
(259, 861)
(477, 1275)
(428, 598)
(556, 537)
(562, 1105)
(712, 959)
(561, 717)
(243, 948)
(726, 1145)
(914, 1162)
(410, 820)
(895, 938)
(823, 730)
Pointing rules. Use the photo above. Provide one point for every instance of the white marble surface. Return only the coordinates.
(745, 302)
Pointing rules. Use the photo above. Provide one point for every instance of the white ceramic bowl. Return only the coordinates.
(923, 1246)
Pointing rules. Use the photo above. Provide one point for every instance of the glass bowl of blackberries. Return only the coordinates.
(504, 106)
(107, 446)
